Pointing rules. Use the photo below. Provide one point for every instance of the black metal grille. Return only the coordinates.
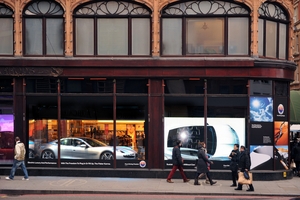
(112, 8)
(205, 8)
(272, 10)
(44, 8)
(4, 10)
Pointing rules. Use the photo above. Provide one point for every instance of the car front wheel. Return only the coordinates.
(48, 154)
(106, 156)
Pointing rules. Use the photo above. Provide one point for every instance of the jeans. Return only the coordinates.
(15, 166)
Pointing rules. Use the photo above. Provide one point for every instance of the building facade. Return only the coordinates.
(295, 84)
(118, 82)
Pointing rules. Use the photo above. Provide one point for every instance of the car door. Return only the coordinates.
(79, 149)
(66, 148)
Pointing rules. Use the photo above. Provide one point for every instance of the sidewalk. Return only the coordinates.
(90, 185)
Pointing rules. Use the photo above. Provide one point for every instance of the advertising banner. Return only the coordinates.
(222, 134)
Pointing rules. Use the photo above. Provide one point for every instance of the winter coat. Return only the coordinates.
(176, 156)
(20, 151)
(296, 153)
(202, 161)
(244, 161)
(234, 160)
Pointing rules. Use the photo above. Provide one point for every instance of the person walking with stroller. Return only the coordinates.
(177, 163)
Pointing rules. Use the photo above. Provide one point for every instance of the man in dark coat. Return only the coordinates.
(202, 164)
(177, 163)
(244, 165)
(234, 159)
(296, 156)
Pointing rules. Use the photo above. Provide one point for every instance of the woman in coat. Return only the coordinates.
(202, 164)
(244, 165)
(296, 156)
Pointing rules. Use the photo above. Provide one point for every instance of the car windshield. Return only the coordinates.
(93, 142)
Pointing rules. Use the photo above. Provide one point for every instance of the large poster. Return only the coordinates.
(7, 141)
(261, 109)
(222, 134)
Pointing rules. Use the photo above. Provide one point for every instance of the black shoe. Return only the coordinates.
(238, 189)
(233, 185)
(213, 182)
(250, 190)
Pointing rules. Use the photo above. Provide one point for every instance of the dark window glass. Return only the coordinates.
(281, 88)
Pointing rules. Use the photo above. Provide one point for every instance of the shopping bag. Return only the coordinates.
(292, 165)
(242, 180)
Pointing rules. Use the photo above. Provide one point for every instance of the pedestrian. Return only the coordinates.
(296, 156)
(19, 158)
(177, 163)
(202, 165)
(234, 159)
(244, 165)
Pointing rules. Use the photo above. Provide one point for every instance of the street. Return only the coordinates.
(137, 197)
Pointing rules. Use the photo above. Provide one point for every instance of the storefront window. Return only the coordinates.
(185, 119)
(91, 130)
(7, 131)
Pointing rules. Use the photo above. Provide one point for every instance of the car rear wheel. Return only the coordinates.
(106, 156)
(31, 154)
(48, 154)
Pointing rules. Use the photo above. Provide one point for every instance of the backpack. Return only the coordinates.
(22, 149)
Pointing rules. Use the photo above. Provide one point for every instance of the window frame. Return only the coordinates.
(278, 19)
(52, 13)
(9, 13)
(201, 15)
(116, 15)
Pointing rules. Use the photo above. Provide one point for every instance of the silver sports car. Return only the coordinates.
(84, 148)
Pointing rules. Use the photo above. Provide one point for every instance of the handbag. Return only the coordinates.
(242, 180)
(292, 165)
(246, 175)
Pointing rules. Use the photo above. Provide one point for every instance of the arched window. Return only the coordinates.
(6, 30)
(43, 29)
(201, 28)
(112, 28)
(272, 31)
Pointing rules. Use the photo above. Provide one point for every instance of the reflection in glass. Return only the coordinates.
(172, 37)
(238, 34)
(33, 37)
(205, 36)
(140, 36)
(271, 32)
(260, 37)
(87, 139)
(112, 40)
(282, 41)
(84, 38)
(6, 36)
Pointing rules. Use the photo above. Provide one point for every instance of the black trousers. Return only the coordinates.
(234, 176)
